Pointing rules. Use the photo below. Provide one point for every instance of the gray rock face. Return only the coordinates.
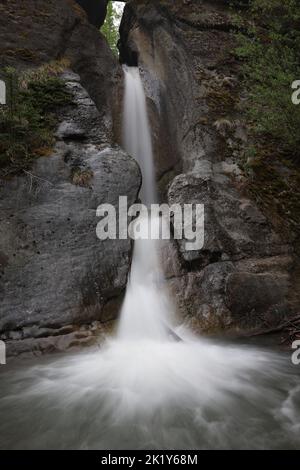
(247, 292)
(244, 275)
(234, 227)
(59, 284)
(147, 35)
(54, 269)
(241, 277)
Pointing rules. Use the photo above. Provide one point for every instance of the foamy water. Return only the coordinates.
(192, 394)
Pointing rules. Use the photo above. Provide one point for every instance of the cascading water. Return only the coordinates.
(143, 389)
(146, 309)
(136, 131)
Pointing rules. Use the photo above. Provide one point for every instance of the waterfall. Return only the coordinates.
(136, 131)
(146, 310)
(142, 389)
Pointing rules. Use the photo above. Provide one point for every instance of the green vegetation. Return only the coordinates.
(110, 29)
(270, 51)
(28, 121)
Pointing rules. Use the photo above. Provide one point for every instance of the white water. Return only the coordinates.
(146, 311)
(149, 394)
(136, 131)
(144, 389)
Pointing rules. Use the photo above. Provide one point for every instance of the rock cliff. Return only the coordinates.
(59, 284)
(245, 277)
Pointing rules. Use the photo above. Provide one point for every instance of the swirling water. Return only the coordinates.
(153, 394)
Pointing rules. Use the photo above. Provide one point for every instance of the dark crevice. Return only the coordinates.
(96, 11)
(206, 258)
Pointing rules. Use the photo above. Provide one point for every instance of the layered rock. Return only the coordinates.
(244, 276)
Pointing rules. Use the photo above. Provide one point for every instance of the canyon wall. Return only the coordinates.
(59, 284)
(245, 275)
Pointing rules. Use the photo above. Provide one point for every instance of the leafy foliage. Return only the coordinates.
(270, 51)
(28, 121)
(110, 29)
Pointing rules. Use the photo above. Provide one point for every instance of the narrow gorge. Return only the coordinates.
(183, 348)
(57, 279)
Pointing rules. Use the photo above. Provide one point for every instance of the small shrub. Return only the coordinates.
(81, 177)
(110, 28)
(28, 121)
(270, 54)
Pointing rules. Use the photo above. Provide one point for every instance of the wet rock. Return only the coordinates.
(86, 337)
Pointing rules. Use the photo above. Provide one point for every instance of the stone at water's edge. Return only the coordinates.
(245, 275)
